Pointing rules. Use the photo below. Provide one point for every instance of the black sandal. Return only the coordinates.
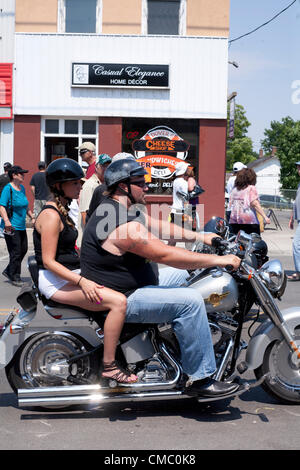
(121, 376)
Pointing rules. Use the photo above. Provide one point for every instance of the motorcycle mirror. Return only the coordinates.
(255, 237)
(243, 237)
(221, 226)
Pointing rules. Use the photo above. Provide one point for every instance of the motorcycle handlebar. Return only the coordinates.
(229, 268)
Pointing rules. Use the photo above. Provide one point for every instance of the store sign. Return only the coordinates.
(159, 150)
(6, 71)
(120, 75)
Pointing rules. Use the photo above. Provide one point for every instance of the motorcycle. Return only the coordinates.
(52, 352)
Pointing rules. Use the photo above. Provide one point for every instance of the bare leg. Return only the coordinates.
(113, 302)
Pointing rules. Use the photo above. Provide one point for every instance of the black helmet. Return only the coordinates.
(121, 171)
(260, 248)
(62, 170)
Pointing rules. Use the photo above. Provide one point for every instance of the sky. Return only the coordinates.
(267, 80)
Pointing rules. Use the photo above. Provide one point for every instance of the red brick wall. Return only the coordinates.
(212, 162)
(27, 132)
(110, 135)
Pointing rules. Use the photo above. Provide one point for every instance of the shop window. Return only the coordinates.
(88, 127)
(71, 126)
(51, 126)
(158, 144)
(61, 137)
(163, 16)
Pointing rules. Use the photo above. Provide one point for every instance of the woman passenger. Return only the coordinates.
(54, 239)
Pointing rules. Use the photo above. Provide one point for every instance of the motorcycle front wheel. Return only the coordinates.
(43, 361)
(283, 381)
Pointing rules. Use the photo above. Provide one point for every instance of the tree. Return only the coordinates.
(240, 148)
(285, 135)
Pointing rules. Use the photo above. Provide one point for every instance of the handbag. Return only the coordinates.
(10, 209)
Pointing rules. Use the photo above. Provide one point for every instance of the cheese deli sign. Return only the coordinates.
(120, 75)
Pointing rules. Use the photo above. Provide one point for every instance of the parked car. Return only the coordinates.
(275, 202)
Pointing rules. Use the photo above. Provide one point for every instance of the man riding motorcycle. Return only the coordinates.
(117, 249)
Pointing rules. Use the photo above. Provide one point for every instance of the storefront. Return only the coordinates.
(161, 98)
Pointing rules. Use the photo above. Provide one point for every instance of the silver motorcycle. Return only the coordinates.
(52, 352)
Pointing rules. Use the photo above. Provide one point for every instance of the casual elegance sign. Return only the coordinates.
(120, 75)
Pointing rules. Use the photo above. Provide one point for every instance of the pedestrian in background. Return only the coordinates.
(296, 242)
(13, 209)
(87, 152)
(39, 189)
(238, 166)
(180, 196)
(4, 180)
(99, 193)
(91, 184)
(244, 204)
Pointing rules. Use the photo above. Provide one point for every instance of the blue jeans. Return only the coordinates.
(184, 308)
(296, 248)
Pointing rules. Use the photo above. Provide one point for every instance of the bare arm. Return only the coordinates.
(165, 230)
(256, 205)
(83, 217)
(4, 216)
(49, 226)
(134, 238)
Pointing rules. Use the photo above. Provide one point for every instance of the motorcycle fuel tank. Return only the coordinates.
(218, 289)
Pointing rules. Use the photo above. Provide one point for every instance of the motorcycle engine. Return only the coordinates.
(154, 371)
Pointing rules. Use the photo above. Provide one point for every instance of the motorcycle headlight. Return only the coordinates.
(273, 276)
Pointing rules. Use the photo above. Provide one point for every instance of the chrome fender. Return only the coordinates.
(266, 333)
(26, 324)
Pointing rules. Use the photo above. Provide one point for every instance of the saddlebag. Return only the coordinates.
(27, 298)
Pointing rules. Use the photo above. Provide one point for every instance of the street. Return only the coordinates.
(251, 421)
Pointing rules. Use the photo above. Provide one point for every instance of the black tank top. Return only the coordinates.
(66, 253)
(124, 273)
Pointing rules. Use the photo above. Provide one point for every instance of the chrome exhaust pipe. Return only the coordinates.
(62, 398)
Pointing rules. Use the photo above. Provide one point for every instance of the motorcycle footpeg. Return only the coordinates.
(242, 389)
(112, 384)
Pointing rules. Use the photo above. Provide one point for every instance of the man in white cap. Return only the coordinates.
(87, 151)
(180, 195)
(230, 183)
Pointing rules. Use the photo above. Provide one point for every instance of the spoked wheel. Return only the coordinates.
(283, 366)
(43, 362)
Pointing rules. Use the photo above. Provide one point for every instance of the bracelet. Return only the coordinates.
(79, 281)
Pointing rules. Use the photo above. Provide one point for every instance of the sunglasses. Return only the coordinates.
(140, 184)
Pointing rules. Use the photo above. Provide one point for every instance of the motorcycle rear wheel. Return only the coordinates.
(284, 381)
(42, 362)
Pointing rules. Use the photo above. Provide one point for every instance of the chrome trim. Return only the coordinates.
(219, 373)
(17, 328)
(97, 398)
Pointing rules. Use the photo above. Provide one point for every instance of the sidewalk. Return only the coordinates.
(279, 242)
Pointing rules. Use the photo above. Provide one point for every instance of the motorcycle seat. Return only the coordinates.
(52, 304)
